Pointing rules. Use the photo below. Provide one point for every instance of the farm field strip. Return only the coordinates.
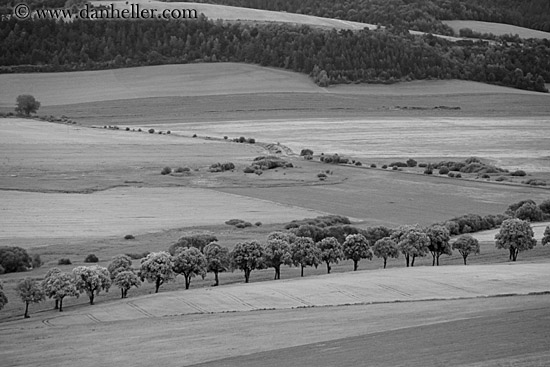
(362, 287)
(498, 29)
(120, 211)
(508, 142)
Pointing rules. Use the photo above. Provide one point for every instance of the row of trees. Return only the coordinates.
(281, 248)
(328, 56)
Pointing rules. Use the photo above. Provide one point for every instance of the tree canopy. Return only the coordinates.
(466, 245)
(217, 260)
(355, 248)
(190, 262)
(157, 268)
(248, 256)
(386, 248)
(515, 235)
(277, 252)
(439, 242)
(331, 251)
(30, 292)
(58, 285)
(92, 280)
(305, 253)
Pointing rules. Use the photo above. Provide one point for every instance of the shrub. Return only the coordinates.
(519, 173)
(305, 152)
(258, 224)
(194, 135)
(343, 160)
(458, 175)
(168, 132)
(242, 139)
(222, 167)
(394, 168)
(501, 178)
(423, 165)
(398, 164)
(428, 171)
(64, 261)
(91, 258)
(359, 164)
(225, 137)
(535, 182)
(327, 160)
(373, 165)
(243, 224)
(545, 206)
(160, 132)
(127, 129)
(411, 162)
(249, 169)
(443, 171)
(485, 176)
(36, 261)
(166, 171)
(151, 131)
(251, 141)
(139, 129)
(385, 166)
(129, 237)
(14, 259)
(451, 175)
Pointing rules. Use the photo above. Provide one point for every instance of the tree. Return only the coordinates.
(58, 285)
(119, 264)
(515, 235)
(157, 268)
(92, 280)
(14, 259)
(248, 256)
(125, 280)
(356, 247)
(190, 262)
(305, 253)
(283, 236)
(412, 242)
(374, 234)
(545, 206)
(30, 292)
(217, 260)
(26, 104)
(386, 248)
(276, 253)
(331, 251)
(530, 212)
(466, 245)
(3, 298)
(439, 242)
(546, 236)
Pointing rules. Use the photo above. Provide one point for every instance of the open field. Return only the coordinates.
(498, 29)
(160, 324)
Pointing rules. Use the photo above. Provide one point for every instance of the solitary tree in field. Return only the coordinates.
(30, 292)
(26, 104)
(217, 260)
(276, 253)
(119, 264)
(386, 248)
(356, 247)
(248, 256)
(305, 253)
(92, 280)
(157, 268)
(546, 237)
(331, 251)
(466, 245)
(190, 262)
(125, 280)
(412, 242)
(439, 242)
(515, 235)
(3, 298)
(58, 285)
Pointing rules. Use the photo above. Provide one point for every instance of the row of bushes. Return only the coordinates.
(264, 163)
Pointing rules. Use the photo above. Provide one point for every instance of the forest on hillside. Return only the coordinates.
(329, 57)
(420, 15)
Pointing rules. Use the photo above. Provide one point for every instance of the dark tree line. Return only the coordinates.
(421, 15)
(330, 57)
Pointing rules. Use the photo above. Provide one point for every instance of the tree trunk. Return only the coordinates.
(121, 292)
(56, 304)
(92, 295)
(511, 253)
(433, 259)
(464, 256)
(355, 265)
(385, 261)
(302, 275)
(187, 281)
(437, 259)
(515, 254)
(412, 262)
(216, 282)
(328, 267)
(61, 305)
(246, 275)
(27, 310)
(407, 260)
(278, 272)
(157, 285)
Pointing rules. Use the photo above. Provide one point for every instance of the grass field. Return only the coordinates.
(498, 29)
